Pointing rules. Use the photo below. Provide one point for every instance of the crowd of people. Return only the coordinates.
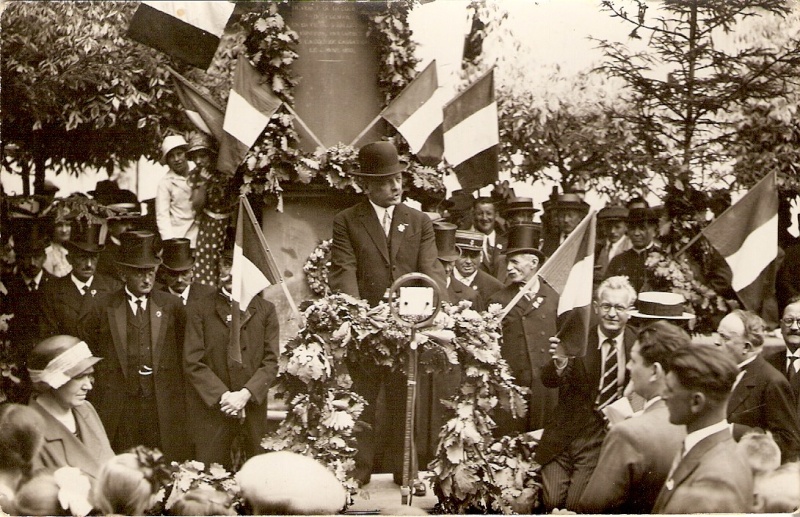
(123, 337)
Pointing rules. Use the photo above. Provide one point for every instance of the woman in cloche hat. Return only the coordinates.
(62, 372)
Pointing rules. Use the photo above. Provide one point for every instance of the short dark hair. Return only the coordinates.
(21, 437)
(793, 300)
(705, 368)
(658, 341)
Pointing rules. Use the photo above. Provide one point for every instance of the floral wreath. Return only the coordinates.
(325, 411)
(190, 475)
(316, 268)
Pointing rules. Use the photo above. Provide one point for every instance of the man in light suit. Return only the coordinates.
(64, 298)
(787, 360)
(697, 388)
(374, 243)
(227, 398)
(637, 453)
(140, 392)
(762, 398)
(570, 446)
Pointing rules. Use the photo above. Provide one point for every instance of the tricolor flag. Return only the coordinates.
(204, 113)
(188, 31)
(251, 103)
(471, 134)
(254, 269)
(417, 115)
(746, 235)
(570, 272)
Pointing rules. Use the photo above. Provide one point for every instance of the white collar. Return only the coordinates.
(37, 279)
(466, 280)
(184, 294)
(747, 361)
(649, 403)
(115, 240)
(795, 354)
(80, 285)
(602, 338)
(646, 248)
(534, 288)
(379, 210)
(133, 298)
(226, 294)
(694, 438)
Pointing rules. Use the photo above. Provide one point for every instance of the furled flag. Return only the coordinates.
(570, 272)
(251, 103)
(417, 115)
(254, 269)
(746, 235)
(204, 113)
(188, 31)
(471, 134)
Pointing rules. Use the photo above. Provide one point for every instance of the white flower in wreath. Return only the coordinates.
(401, 227)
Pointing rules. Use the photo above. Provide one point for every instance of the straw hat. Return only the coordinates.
(661, 306)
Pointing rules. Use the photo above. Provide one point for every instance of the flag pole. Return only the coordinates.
(265, 247)
(186, 82)
(235, 349)
(366, 129)
(304, 126)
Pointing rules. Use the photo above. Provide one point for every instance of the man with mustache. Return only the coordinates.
(64, 298)
(138, 332)
(468, 265)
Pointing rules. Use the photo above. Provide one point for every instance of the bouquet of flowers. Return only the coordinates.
(194, 474)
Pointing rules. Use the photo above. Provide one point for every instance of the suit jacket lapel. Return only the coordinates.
(156, 330)
(693, 457)
(400, 217)
(223, 309)
(373, 228)
(118, 323)
(743, 390)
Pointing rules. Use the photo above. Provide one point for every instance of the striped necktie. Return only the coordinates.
(608, 383)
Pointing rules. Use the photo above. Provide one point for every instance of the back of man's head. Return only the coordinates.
(659, 340)
(704, 368)
(754, 327)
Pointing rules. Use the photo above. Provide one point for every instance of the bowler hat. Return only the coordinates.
(170, 143)
(469, 240)
(108, 192)
(524, 238)
(571, 200)
(642, 215)
(446, 241)
(31, 246)
(519, 204)
(177, 254)
(460, 201)
(613, 213)
(137, 250)
(58, 359)
(659, 305)
(89, 237)
(378, 159)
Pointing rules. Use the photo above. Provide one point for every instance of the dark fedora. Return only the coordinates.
(519, 204)
(571, 200)
(29, 246)
(460, 201)
(108, 192)
(177, 254)
(469, 240)
(613, 213)
(137, 249)
(378, 159)
(524, 238)
(642, 215)
(90, 237)
(446, 241)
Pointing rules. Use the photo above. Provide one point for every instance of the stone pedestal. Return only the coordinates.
(337, 70)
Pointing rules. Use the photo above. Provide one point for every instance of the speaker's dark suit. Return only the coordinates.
(778, 361)
(104, 327)
(62, 303)
(197, 292)
(712, 467)
(763, 399)
(577, 428)
(210, 373)
(364, 265)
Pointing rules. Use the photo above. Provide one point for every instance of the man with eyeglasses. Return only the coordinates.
(570, 446)
(787, 360)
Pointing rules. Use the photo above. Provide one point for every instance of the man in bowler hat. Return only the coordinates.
(65, 298)
(178, 271)
(527, 329)
(374, 243)
(138, 331)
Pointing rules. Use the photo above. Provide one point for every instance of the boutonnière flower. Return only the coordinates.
(158, 314)
(401, 227)
(93, 292)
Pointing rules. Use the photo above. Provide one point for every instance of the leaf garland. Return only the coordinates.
(324, 411)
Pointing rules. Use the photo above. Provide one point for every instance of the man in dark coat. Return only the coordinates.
(374, 243)
(178, 272)
(564, 212)
(642, 229)
(787, 360)
(65, 298)
(125, 218)
(484, 221)
(570, 445)
(467, 266)
(227, 398)
(762, 398)
(527, 329)
(140, 391)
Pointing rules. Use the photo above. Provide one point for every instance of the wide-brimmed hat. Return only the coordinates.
(469, 240)
(172, 142)
(519, 204)
(642, 215)
(446, 241)
(378, 159)
(660, 305)
(107, 192)
(524, 238)
(612, 213)
(570, 200)
(137, 249)
(58, 359)
(89, 237)
(177, 254)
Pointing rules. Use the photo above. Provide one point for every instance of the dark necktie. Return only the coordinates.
(32, 286)
(84, 290)
(608, 384)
